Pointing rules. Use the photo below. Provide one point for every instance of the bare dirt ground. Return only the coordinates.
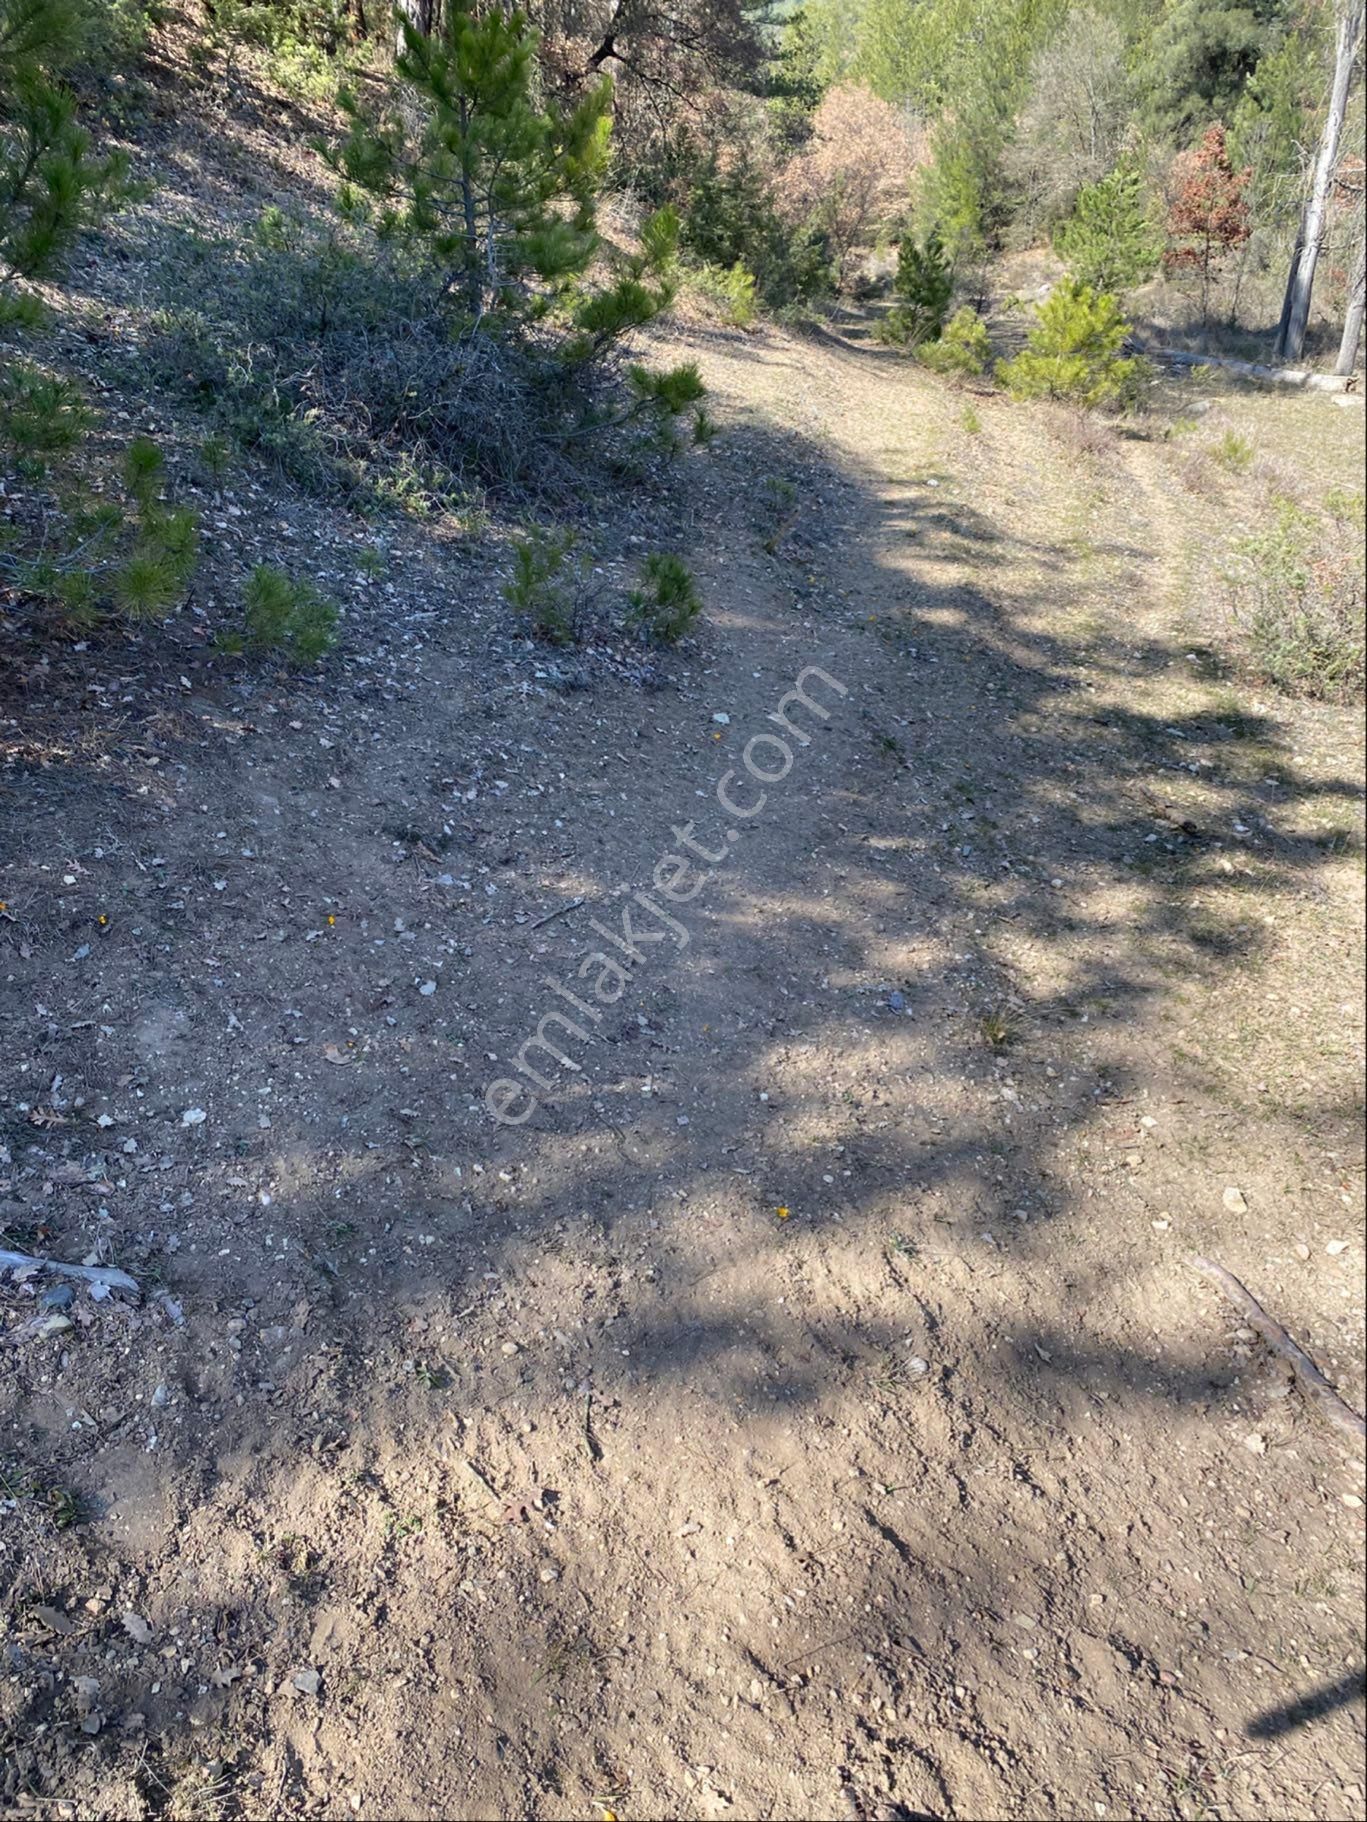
(811, 1409)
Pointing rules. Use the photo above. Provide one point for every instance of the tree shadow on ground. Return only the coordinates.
(990, 826)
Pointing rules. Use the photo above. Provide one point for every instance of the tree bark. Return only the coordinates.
(1301, 280)
(421, 15)
(1352, 321)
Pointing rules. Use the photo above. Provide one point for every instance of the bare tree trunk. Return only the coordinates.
(1352, 321)
(1301, 281)
(421, 15)
(474, 290)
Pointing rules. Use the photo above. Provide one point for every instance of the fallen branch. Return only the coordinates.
(560, 911)
(1312, 1381)
(93, 1274)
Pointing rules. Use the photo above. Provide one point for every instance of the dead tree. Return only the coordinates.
(1315, 219)
(1352, 319)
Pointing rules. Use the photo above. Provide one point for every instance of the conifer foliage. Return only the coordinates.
(497, 189)
(124, 549)
(1109, 240)
(51, 184)
(1074, 352)
(924, 285)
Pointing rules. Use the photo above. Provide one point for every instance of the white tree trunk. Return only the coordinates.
(420, 14)
(1301, 282)
(1352, 321)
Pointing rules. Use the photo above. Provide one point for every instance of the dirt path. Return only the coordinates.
(808, 1408)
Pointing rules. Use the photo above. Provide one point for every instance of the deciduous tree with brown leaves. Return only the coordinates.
(853, 174)
(1208, 216)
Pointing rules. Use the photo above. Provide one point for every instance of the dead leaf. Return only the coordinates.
(53, 1620)
(517, 1512)
(333, 1053)
(137, 1628)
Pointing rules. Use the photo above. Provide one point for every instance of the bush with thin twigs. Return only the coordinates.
(1296, 592)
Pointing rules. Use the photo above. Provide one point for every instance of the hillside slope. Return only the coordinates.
(810, 1408)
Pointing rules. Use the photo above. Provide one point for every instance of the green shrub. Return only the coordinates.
(548, 586)
(84, 554)
(924, 284)
(282, 614)
(730, 216)
(473, 172)
(1073, 352)
(343, 369)
(51, 184)
(41, 416)
(731, 289)
(1233, 452)
(667, 601)
(102, 556)
(963, 348)
(299, 41)
(1296, 592)
(1109, 241)
(215, 457)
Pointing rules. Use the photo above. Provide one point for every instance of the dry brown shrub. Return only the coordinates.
(855, 173)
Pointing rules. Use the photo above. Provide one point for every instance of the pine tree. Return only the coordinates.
(1074, 351)
(51, 186)
(1199, 56)
(496, 189)
(924, 284)
(1109, 240)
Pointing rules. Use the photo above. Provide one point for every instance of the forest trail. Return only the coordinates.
(811, 1408)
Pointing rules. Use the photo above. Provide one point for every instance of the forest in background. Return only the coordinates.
(508, 200)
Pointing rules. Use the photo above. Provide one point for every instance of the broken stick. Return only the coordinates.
(93, 1274)
(560, 911)
(1312, 1381)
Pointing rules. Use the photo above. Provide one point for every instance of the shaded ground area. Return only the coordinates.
(810, 1409)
